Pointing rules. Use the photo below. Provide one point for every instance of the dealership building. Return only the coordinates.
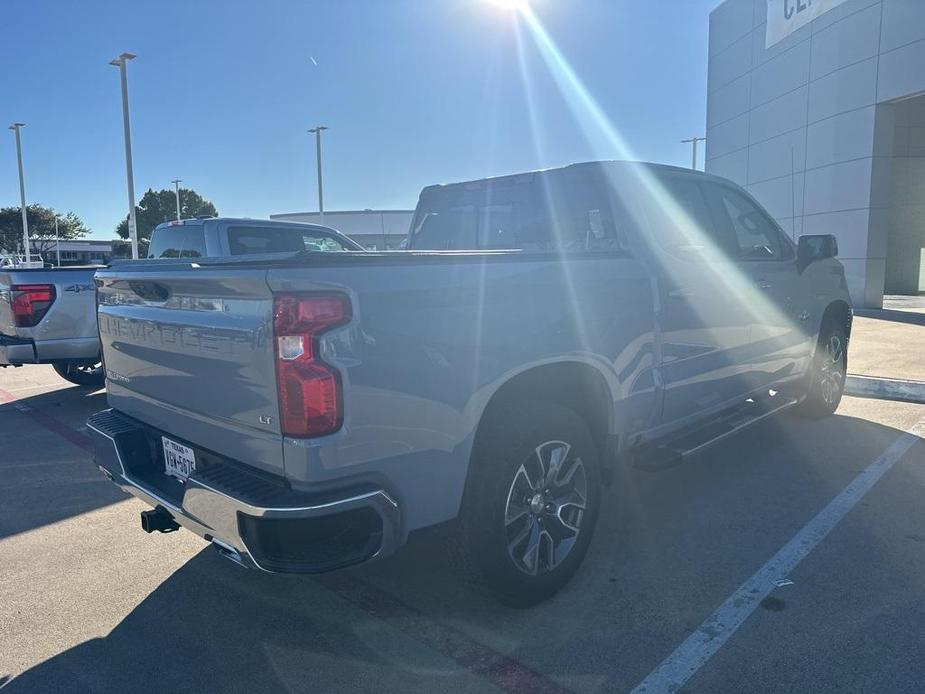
(818, 108)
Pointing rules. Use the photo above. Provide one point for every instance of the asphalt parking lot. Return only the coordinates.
(89, 603)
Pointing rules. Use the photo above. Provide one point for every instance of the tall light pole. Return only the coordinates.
(57, 241)
(176, 189)
(130, 176)
(694, 141)
(22, 192)
(317, 132)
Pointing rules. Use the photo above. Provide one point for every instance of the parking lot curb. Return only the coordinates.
(885, 388)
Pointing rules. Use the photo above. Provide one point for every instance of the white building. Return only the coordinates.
(73, 251)
(818, 108)
(374, 229)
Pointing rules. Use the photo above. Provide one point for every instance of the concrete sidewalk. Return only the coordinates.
(890, 342)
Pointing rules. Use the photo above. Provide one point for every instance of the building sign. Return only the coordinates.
(786, 16)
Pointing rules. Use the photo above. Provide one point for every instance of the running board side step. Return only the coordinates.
(678, 448)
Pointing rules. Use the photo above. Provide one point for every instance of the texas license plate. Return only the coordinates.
(179, 460)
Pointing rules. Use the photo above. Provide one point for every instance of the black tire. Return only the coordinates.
(826, 377)
(81, 373)
(504, 499)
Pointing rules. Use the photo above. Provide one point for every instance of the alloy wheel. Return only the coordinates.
(545, 506)
(831, 369)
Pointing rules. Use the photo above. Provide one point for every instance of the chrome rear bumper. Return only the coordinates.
(241, 528)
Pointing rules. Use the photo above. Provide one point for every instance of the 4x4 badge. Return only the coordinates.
(78, 288)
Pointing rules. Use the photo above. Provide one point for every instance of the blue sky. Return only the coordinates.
(414, 92)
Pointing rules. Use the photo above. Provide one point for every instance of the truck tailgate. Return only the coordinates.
(189, 350)
(7, 324)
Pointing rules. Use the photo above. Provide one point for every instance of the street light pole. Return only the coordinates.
(317, 132)
(176, 188)
(57, 241)
(22, 192)
(132, 229)
(694, 141)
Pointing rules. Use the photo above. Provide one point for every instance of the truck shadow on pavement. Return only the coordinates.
(668, 549)
(46, 468)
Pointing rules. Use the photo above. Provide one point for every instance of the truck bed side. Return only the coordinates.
(431, 339)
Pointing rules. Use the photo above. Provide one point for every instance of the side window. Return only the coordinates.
(255, 240)
(252, 240)
(756, 235)
(322, 242)
(496, 226)
(681, 222)
(450, 229)
(572, 213)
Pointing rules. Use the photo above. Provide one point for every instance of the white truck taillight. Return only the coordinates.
(30, 303)
(310, 398)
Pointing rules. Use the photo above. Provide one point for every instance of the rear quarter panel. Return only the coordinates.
(432, 341)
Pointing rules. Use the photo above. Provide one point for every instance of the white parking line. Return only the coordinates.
(710, 636)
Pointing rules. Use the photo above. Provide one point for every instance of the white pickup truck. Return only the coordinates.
(9, 262)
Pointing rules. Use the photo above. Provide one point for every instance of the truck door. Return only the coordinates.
(703, 326)
(778, 303)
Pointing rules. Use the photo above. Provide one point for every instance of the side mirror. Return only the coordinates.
(815, 247)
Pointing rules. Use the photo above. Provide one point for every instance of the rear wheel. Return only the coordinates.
(531, 502)
(827, 373)
(83, 373)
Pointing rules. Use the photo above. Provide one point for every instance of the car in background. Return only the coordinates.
(226, 236)
(48, 316)
(8, 262)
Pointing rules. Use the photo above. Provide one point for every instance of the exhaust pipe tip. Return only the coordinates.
(158, 519)
(228, 552)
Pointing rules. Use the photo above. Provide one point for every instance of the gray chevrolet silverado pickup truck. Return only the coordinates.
(309, 412)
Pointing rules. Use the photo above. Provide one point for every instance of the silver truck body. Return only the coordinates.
(67, 332)
(641, 339)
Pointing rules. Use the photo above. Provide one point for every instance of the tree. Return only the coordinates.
(161, 206)
(41, 229)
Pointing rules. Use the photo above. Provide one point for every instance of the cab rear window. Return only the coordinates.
(179, 241)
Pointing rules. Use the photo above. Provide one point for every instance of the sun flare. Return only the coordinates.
(509, 5)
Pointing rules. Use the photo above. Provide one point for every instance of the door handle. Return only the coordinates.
(763, 284)
(681, 293)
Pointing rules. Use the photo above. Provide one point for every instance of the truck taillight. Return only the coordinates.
(310, 398)
(30, 303)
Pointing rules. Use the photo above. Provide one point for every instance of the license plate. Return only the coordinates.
(179, 460)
